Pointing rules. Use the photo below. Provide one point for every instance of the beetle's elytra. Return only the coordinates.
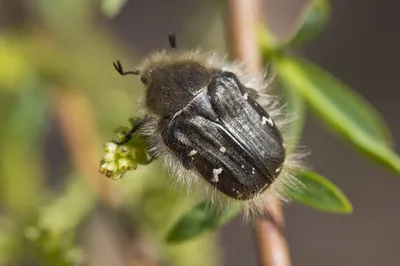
(204, 116)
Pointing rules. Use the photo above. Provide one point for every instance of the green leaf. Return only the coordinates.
(23, 126)
(14, 67)
(296, 110)
(53, 237)
(67, 211)
(202, 218)
(111, 8)
(30, 115)
(319, 193)
(340, 108)
(10, 242)
(269, 45)
(312, 22)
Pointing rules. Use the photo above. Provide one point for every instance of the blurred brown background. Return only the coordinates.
(360, 47)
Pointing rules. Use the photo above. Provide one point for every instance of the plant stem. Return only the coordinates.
(76, 120)
(244, 19)
(271, 242)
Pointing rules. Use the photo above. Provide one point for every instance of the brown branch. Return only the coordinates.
(272, 246)
(76, 120)
(244, 18)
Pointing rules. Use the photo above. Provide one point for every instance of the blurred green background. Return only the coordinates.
(60, 99)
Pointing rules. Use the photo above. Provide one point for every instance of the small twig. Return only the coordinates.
(272, 246)
(76, 120)
(244, 18)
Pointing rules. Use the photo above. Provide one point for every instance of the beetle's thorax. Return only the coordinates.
(170, 87)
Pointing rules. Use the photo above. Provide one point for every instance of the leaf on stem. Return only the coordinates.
(296, 110)
(202, 218)
(111, 8)
(340, 107)
(313, 20)
(311, 23)
(319, 193)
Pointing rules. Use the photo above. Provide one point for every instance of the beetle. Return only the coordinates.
(203, 119)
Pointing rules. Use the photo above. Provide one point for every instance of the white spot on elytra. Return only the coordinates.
(222, 149)
(245, 96)
(242, 166)
(253, 171)
(216, 172)
(192, 152)
(245, 127)
(278, 169)
(265, 120)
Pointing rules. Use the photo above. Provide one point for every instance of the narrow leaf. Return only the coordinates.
(202, 218)
(313, 20)
(269, 44)
(319, 193)
(29, 116)
(22, 130)
(10, 241)
(111, 8)
(296, 110)
(53, 237)
(340, 107)
(67, 211)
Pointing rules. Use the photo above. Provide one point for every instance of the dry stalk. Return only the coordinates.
(243, 19)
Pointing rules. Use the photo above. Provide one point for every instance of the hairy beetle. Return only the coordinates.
(202, 117)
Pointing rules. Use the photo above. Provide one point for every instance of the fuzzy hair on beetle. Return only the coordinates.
(215, 127)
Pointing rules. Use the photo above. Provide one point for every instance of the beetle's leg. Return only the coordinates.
(150, 159)
(132, 131)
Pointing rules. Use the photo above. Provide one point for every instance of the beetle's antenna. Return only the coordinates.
(172, 41)
(117, 65)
